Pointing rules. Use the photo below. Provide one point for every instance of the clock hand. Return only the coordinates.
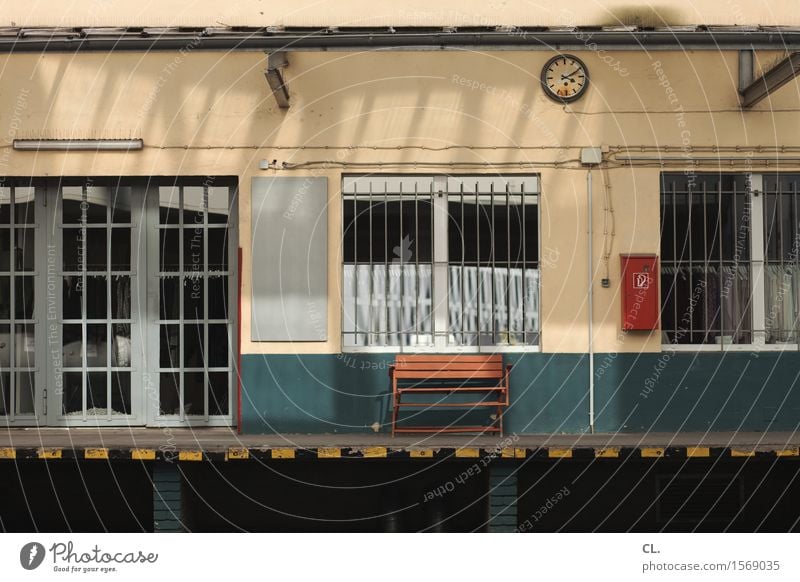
(565, 77)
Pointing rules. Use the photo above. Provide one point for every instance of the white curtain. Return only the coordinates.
(392, 305)
(781, 285)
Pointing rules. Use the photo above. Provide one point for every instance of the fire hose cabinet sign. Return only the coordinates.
(640, 297)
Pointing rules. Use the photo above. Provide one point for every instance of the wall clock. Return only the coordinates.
(565, 78)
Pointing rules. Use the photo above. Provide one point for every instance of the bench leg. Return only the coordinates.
(395, 401)
(500, 419)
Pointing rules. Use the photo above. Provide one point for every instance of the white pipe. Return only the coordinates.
(589, 299)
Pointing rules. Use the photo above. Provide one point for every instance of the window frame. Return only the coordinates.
(439, 314)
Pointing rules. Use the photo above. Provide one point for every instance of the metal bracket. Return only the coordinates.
(275, 62)
(771, 81)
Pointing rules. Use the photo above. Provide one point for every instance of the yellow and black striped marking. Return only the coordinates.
(389, 453)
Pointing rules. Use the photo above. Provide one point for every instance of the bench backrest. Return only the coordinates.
(443, 366)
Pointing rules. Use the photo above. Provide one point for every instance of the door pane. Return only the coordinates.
(218, 393)
(72, 397)
(5, 205)
(169, 249)
(25, 249)
(5, 249)
(169, 204)
(72, 296)
(72, 341)
(121, 249)
(25, 346)
(169, 346)
(24, 209)
(98, 199)
(96, 259)
(26, 392)
(194, 388)
(193, 205)
(169, 393)
(5, 346)
(23, 301)
(73, 210)
(169, 299)
(218, 203)
(121, 205)
(97, 394)
(5, 393)
(120, 393)
(5, 297)
(121, 346)
(193, 255)
(217, 249)
(217, 298)
(193, 345)
(73, 249)
(217, 346)
(96, 297)
(96, 344)
(120, 297)
(193, 298)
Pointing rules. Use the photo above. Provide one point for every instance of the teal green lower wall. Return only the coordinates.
(667, 392)
(734, 391)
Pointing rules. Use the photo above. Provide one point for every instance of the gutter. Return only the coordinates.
(411, 38)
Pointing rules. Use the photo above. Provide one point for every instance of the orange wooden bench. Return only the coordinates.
(480, 376)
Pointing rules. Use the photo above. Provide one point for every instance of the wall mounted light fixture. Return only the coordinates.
(101, 145)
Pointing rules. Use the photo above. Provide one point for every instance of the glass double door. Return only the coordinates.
(115, 303)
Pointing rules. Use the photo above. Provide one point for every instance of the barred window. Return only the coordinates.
(705, 259)
(730, 247)
(436, 261)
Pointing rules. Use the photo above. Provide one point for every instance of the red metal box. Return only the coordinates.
(641, 301)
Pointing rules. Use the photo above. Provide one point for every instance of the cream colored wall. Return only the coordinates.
(394, 13)
(212, 114)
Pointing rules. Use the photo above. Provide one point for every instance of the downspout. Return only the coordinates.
(590, 298)
(590, 157)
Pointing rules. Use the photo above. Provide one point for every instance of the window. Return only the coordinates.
(440, 262)
(729, 258)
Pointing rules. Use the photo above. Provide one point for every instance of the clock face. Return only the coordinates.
(565, 78)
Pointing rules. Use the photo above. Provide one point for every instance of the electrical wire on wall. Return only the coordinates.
(609, 224)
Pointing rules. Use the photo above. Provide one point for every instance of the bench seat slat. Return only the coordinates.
(449, 365)
(435, 374)
(448, 404)
(453, 389)
(439, 429)
(448, 358)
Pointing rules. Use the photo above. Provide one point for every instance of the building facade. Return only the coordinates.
(442, 207)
